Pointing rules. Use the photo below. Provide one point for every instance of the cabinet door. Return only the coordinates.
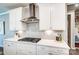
(15, 16)
(18, 18)
(58, 16)
(45, 50)
(44, 16)
(26, 49)
(42, 50)
(12, 21)
(9, 48)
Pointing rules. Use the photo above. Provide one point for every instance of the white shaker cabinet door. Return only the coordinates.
(12, 19)
(46, 50)
(44, 16)
(9, 48)
(58, 16)
(54, 14)
(15, 17)
(26, 48)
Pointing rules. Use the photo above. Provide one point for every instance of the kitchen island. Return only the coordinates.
(43, 47)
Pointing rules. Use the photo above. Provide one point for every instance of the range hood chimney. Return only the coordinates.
(32, 18)
(32, 11)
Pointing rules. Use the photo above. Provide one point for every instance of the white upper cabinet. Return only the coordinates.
(15, 15)
(44, 16)
(12, 21)
(57, 16)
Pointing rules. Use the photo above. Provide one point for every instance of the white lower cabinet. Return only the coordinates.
(26, 48)
(9, 48)
(19, 48)
(46, 50)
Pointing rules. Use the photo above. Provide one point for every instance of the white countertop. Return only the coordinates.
(53, 43)
(46, 42)
(11, 39)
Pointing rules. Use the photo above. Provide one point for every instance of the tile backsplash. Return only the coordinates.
(40, 34)
(32, 27)
(33, 31)
(33, 34)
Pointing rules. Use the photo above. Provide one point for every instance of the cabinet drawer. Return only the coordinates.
(45, 50)
(26, 52)
(61, 50)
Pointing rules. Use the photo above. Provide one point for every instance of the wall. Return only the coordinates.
(8, 33)
(65, 31)
(1, 33)
(2, 19)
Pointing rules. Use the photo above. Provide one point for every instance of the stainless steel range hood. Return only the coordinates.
(32, 18)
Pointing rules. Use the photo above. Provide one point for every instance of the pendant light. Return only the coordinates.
(50, 31)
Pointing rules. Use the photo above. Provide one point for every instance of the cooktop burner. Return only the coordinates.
(34, 40)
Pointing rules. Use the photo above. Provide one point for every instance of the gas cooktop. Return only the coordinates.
(33, 40)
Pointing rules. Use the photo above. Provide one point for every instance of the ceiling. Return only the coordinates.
(8, 6)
